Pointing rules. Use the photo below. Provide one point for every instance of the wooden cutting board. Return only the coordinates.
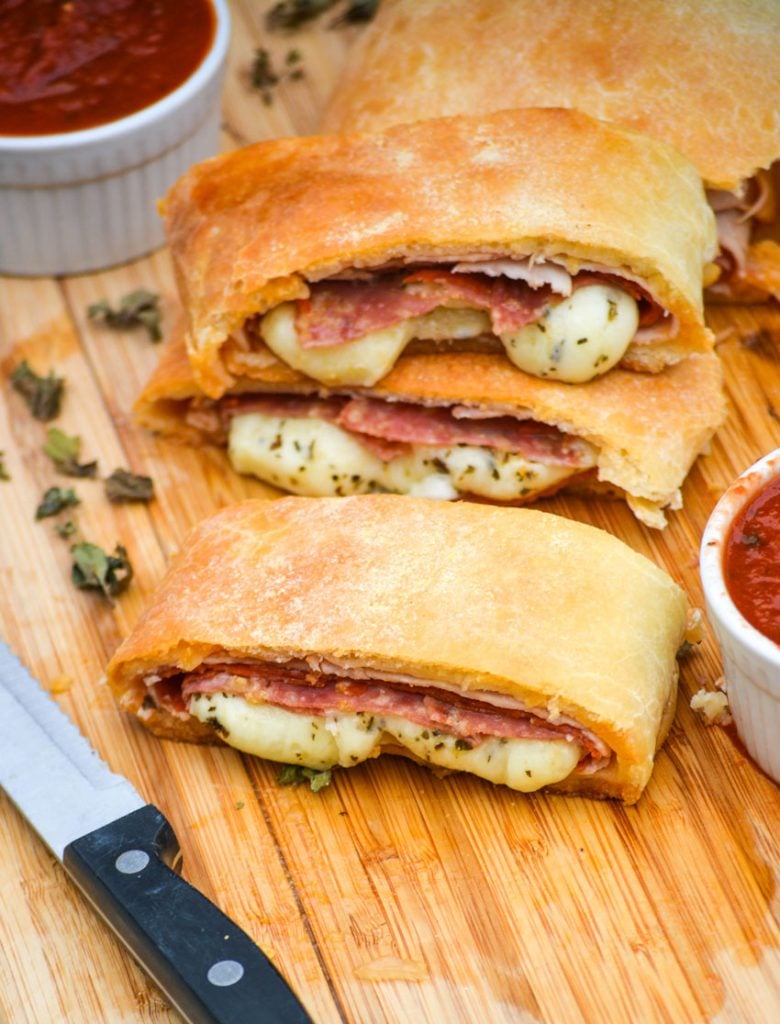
(391, 895)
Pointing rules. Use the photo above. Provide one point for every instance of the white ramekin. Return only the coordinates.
(85, 200)
(751, 661)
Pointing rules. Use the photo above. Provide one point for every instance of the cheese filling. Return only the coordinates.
(579, 338)
(346, 739)
(574, 340)
(314, 458)
(365, 360)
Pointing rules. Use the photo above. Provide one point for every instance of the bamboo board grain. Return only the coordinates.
(391, 896)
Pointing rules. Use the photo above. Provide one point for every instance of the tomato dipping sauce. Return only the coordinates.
(751, 561)
(72, 64)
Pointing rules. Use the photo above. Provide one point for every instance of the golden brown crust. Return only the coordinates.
(704, 75)
(573, 621)
(246, 228)
(648, 429)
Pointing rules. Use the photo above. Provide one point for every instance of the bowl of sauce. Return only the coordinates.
(739, 562)
(103, 105)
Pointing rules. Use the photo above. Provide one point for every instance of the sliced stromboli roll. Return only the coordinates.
(463, 425)
(565, 244)
(518, 646)
(703, 75)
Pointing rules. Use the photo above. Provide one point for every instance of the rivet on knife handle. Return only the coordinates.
(207, 966)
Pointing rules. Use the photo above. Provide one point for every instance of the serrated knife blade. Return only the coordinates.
(117, 849)
(48, 769)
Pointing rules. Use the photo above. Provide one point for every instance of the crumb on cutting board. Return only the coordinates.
(61, 684)
(712, 706)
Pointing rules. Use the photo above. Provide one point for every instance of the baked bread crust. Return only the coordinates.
(704, 75)
(555, 613)
(248, 229)
(648, 428)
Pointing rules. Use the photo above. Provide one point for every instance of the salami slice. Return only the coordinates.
(341, 311)
(314, 693)
(416, 424)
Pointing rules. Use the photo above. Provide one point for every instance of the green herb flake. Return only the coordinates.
(136, 309)
(93, 569)
(613, 310)
(64, 452)
(55, 500)
(124, 486)
(66, 529)
(264, 77)
(357, 12)
(4, 474)
(289, 15)
(462, 745)
(43, 395)
(294, 774)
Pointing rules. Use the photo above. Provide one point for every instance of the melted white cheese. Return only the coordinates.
(320, 742)
(574, 340)
(318, 459)
(579, 338)
(366, 360)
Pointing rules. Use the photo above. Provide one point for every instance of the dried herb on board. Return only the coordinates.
(66, 529)
(264, 77)
(289, 15)
(294, 774)
(55, 500)
(123, 486)
(4, 474)
(64, 453)
(136, 309)
(43, 395)
(357, 12)
(93, 569)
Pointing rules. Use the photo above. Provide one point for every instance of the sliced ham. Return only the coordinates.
(430, 707)
(734, 216)
(757, 198)
(734, 239)
(536, 274)
(415, 424)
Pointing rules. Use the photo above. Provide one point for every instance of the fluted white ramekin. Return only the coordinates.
(85, 200)
(751, 661)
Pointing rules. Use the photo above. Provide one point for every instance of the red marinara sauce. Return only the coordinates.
(72, 64)
(751, 561)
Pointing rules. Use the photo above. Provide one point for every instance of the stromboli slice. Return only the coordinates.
(634, 435)
(320, 631)
(564, 243)
(703, 75)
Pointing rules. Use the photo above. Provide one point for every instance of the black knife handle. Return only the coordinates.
(209, 969)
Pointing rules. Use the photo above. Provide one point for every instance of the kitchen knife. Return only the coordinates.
(117, 849)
